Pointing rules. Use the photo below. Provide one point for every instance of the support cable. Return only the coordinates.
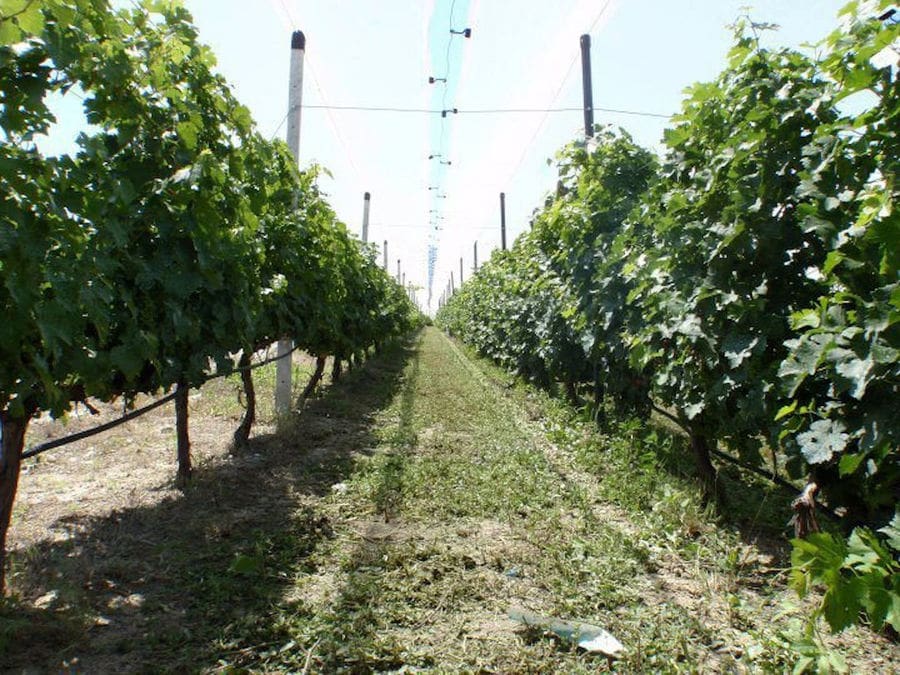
(127, 417)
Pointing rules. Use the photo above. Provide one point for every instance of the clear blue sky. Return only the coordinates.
(522, 54)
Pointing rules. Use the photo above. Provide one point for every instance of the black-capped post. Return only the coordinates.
(295, 92)
(586, 85)
(398, 270)
(367, 198)
(503, 221)
(295, 107)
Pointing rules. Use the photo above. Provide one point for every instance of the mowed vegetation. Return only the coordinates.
(745, 285)
(393, 525)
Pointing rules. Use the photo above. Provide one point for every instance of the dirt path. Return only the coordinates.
(408, 509)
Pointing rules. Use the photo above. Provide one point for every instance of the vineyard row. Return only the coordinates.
(175, 237)
(746, 286)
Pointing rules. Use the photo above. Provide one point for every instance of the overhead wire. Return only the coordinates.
(433, 247)
(334, 125)
(337, 132)
(483, 111)
(280, 124)
(551, 109)
(473, 111)
(393, 109)
(559, 89)
(287, 13)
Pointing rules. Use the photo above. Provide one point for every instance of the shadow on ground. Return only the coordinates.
(349, 635)
(179, 585)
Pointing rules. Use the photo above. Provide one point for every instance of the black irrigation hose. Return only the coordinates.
(255, 365)
(777, 480)
(93, 431)
(106, 426)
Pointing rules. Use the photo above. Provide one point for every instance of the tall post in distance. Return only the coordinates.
(475, 254)
(452, 284)
(398, 270)
(295, 107)
(503, 221)
(403, 280)
(586, 85)
(460, 271)
(385, 255)
(365, 231)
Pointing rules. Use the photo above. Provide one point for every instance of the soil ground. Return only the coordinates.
(390, 525)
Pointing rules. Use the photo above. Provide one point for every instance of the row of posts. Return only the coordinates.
(588, 98)
(295, 106)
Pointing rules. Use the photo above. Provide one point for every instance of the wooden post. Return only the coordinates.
(365, 229)
(586, 85)
(295, 103)
(503, 221)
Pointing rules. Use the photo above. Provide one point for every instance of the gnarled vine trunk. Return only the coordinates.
(316, 377)
(181, 432)
(10, 466)
(705, 468)
(572, 394)
(336, 368)
(242, 433)
(599, 397)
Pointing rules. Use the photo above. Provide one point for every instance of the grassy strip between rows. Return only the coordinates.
(411, 506)
(460, 513)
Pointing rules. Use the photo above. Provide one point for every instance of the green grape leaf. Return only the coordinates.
(858, 371)
(849, 463)
(892, 532)
(823, 439)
